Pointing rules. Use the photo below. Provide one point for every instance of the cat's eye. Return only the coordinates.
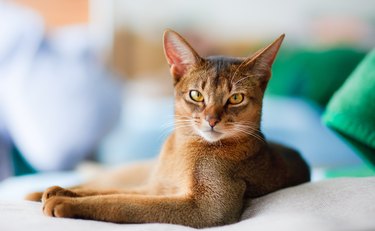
(236, 98)
(196, 96)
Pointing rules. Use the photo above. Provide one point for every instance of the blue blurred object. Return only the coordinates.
(141, 131)
(56, 98)
(296, 122)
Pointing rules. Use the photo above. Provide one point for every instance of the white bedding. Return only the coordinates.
(339, 204)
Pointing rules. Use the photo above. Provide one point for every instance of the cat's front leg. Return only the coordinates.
(62, 192)
(83, 192)
(182, 210)
(77, 192)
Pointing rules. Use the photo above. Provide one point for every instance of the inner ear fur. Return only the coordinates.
(260, 62)
(179, 54)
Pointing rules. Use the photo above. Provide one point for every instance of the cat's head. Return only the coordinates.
(218, 97)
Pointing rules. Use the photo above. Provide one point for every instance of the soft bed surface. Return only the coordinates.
(339, 204)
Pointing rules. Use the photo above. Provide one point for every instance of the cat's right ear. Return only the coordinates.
(180, 55)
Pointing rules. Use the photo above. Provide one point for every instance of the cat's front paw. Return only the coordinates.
(59, 207)
(57, 191)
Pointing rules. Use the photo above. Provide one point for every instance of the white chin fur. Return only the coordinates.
(211, 136)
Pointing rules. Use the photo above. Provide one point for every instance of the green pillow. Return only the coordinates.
(20, 165)
(313, 74)
(351, 111)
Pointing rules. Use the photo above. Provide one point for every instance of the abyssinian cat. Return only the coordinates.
(215, 160)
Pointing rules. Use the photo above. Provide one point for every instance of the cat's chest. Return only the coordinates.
(183, 165)
(174, 174)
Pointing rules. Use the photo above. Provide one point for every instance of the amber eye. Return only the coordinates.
(236, 98)
(196, 96)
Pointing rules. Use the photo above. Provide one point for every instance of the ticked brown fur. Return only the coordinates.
(214, 161)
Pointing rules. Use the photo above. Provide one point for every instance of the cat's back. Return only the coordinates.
(273, 167)
(298, 171)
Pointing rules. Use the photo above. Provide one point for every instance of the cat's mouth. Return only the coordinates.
(214, 131)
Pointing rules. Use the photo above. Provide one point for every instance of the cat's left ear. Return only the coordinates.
(261, 62)
(180, 55)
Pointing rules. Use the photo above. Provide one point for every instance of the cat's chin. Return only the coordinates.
(211, 136)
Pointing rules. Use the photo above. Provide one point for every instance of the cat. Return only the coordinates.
(210, 166)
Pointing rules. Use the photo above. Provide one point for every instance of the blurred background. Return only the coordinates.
(87, 79)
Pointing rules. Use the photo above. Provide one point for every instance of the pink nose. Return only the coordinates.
(213, 115)
(212, 121)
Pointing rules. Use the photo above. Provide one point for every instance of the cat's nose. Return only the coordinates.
(212, 121)
(213, 115)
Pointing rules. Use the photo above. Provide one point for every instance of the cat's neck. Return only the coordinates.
(240, 148)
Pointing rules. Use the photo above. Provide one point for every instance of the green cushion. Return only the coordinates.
(351, 111)
(312, 74)
(20, 165)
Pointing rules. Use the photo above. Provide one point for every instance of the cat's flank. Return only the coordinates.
(215, 160)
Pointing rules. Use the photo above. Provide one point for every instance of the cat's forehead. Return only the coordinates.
(219, 71)
(221, 65)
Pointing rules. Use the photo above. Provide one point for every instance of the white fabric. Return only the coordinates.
(339, 204)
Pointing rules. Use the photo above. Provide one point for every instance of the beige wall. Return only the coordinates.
(59, 12)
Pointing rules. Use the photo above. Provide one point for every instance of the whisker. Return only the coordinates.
(253, 134)
(249, 128)
(169, 126)
(170, 129)
(237, 69)
(246, 77)
(172, 123)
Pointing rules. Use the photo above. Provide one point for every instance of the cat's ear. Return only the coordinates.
(180, 55)
(261, 62)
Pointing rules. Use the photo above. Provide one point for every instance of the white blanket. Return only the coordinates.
(339, 204)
